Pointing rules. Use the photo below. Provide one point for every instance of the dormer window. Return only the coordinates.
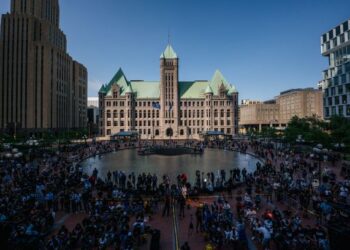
(222, 90)
(115, 93)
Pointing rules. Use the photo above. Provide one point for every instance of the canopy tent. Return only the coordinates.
(125, 135)
(216, 135)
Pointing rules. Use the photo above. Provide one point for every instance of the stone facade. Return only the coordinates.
(278, 112)
(41, 86)
(256, 115)
(299, 102)
(186, 109)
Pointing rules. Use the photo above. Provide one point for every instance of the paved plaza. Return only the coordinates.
(181, 225)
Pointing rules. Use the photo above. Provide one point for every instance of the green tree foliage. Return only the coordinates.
(310, 129)
(269, 132)
(340, 130)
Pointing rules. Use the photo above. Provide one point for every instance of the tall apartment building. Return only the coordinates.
(153, 108)
(41, 86)
(306, 102)
(335, 45)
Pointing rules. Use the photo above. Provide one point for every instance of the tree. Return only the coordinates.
(340, 130)
(310, 129)
(269, 132)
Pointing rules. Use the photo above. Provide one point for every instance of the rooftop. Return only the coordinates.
(168, 53)
(296, 90)
(151, 89)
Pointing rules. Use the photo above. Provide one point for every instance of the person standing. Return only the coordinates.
(182, 204)
(166, 205)
(190, 227)
(199, 220)
(266, 237)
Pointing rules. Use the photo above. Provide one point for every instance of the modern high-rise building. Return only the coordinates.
(156, 109)
(41, 86)
(335, 45)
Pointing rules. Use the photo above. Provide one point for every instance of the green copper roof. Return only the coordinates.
(195, 89)
(218, 80)
(143, 89)
(128, 90)
(232, 90)
(151, 89)
(102, 89)
(119, 78)
(168, 53)
(208, 90)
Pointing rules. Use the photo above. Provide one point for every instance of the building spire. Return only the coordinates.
(168, 53)
(168, 36)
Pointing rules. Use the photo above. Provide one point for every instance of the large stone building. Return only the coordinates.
(256, 115)
(41, 86)
(302, 103)
(185, 109)
(335, 45)
(278, 112)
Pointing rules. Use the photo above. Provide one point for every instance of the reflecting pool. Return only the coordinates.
(212, 160)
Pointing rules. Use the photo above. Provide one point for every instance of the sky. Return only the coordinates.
(261, 46)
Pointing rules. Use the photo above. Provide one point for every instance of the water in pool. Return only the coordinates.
(212, 160)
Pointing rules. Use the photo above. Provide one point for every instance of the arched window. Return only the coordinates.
(222, 113)
(157, 132)
(140, 114)
(181, 132)
(121, 113)
(215, 113)
(115, 113)
(108, 113)
(228, 113)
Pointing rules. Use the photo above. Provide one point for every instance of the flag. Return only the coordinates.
(155, 105)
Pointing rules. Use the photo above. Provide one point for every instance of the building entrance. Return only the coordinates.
(169, 132)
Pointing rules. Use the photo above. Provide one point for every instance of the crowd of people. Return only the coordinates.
(274, 203)
(293, 190)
